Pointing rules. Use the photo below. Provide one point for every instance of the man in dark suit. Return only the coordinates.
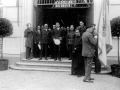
(44, 41)
(28, 34)
(96, 58)
(70, 41)
(88, 51)
(57, 34)
(82, 27)
(36, 40)
(52, 43)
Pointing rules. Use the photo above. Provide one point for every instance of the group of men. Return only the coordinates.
(43, 41)
(44, 38)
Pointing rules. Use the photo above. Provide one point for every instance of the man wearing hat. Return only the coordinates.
(57, 38)
(88, 51)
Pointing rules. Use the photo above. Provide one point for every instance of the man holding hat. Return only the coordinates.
(57, 38)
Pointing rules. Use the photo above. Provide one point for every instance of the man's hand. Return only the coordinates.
(95, 33)
(96, 37)
(74, 48)
(60, 38)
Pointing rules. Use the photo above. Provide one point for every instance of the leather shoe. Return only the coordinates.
(55, 59)
(46, 59)
(70, 59)
(40, 59)
(89, 81)
(59, 59)
(51, 58)
(97, 72)
(72, 74)
(78, 75)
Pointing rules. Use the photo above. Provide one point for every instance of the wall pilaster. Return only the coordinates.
(27, 17)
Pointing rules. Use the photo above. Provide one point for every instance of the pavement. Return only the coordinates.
(40, 80)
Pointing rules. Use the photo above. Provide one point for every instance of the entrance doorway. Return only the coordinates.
(66, 12)
(64, 15)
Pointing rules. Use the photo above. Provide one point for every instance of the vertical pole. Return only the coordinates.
(1, 48)
(118, 48)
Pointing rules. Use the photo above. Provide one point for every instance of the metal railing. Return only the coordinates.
(63, 2)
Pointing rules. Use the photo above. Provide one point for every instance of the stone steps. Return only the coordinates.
(45, 65)
(38, 69)
(49, 61)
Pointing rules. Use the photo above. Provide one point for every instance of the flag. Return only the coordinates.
(17, 4)
(104, 33)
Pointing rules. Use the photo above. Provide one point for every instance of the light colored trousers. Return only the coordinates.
(88, 67)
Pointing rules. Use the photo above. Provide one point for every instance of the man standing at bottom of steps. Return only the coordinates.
(88, 51)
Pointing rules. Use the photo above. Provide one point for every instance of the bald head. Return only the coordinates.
(46, 26)
(38, 27)
(54, 26)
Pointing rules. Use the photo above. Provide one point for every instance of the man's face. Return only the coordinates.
(38, 27)
(57, 25)
(68, 28)
(92, 29)
(54, 27)
(71, 27)
(81, 23)
(46, 26)
(77, 33)
(29, 25)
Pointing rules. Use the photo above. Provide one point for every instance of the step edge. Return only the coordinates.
(50, 60)
(15, 67)
(21, 63)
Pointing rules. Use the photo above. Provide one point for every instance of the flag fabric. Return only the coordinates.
(104, 33)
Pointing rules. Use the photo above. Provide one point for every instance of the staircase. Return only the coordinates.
(44, 65)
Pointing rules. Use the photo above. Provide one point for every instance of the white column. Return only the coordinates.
(27, 17)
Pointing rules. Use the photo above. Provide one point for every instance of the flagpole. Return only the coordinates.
(98, 28)
(118, 32)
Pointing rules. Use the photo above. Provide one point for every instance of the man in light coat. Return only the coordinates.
(28, 34)
(88, 51)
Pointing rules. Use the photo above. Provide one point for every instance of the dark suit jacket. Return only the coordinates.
(82, 29)
(70, 37)
(37, 36)
(58, 33)
(51, 35)
(78, 43)
(28, 34)
(88, 45)
(45, 36)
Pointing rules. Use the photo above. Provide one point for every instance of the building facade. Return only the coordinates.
(21, 12)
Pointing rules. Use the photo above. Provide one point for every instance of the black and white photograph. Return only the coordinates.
(60, 44)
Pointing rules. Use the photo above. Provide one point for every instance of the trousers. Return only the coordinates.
(28, 52)
(44, 48)
(88, 67)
